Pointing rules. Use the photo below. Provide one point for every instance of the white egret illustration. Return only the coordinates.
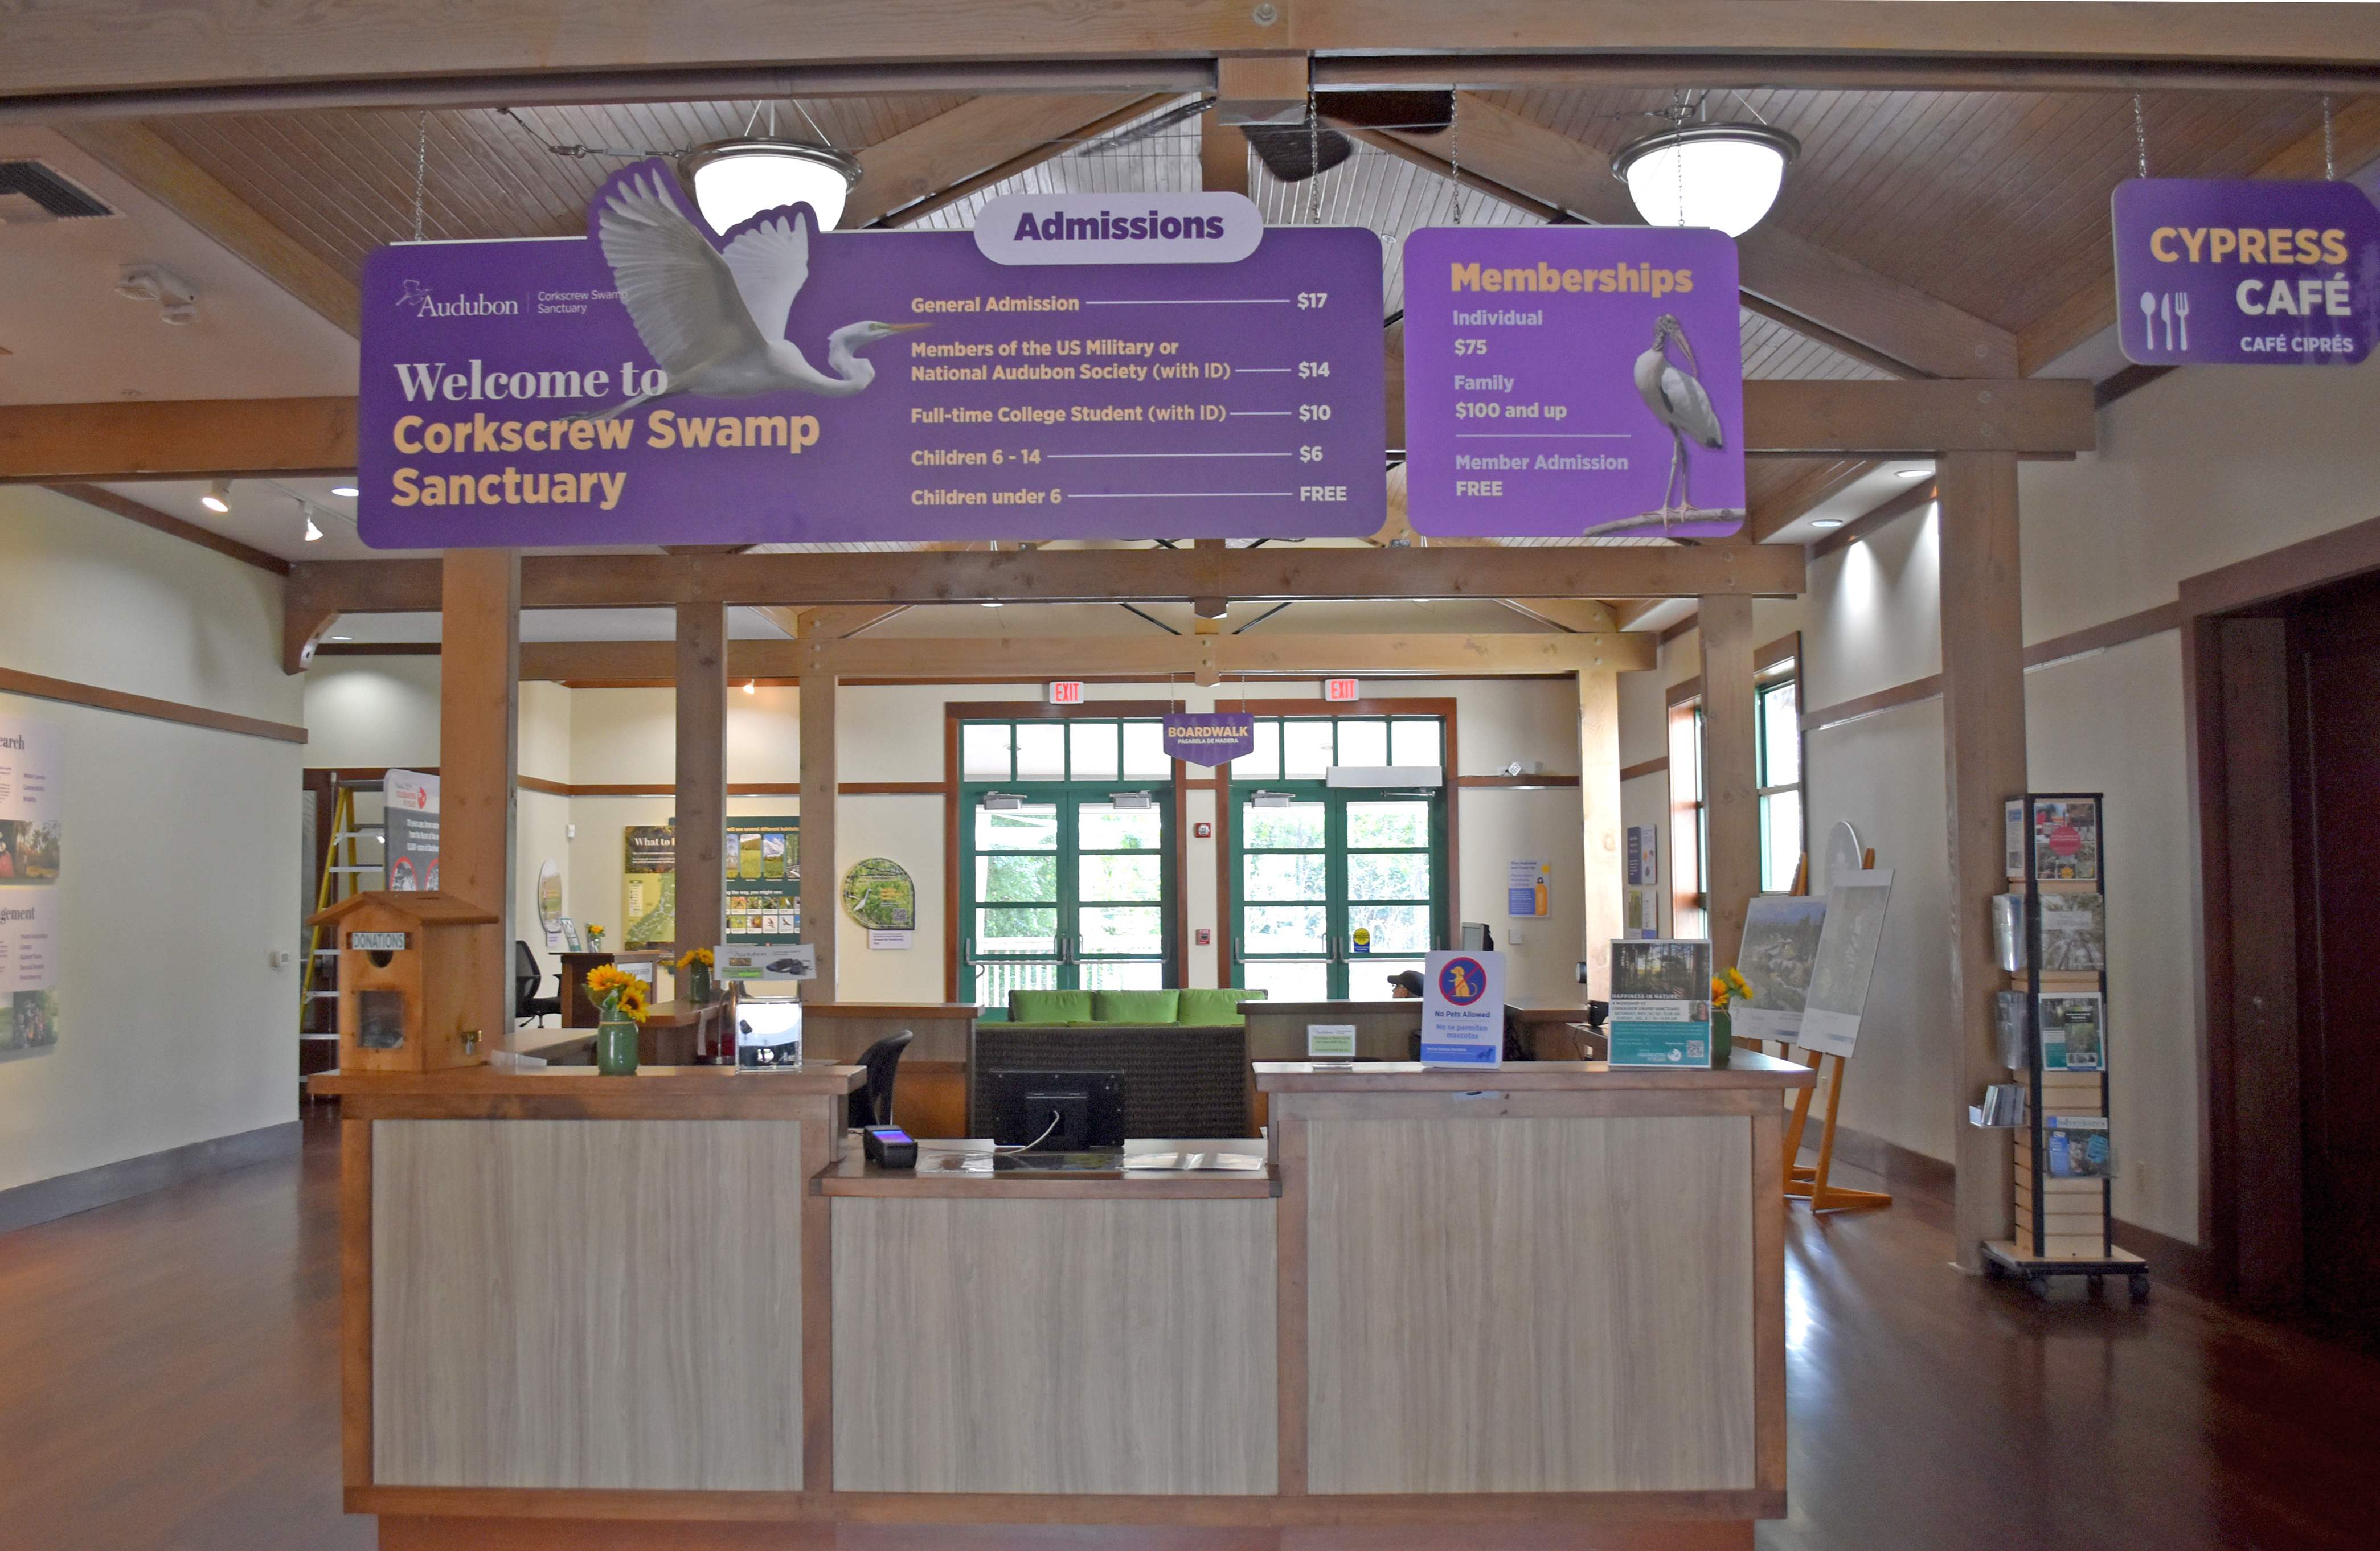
(715, 321)
(1678, 401)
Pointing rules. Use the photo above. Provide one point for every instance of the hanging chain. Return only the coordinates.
(1314, 157)
(2141, 134)
(420, 172)
(2329, 150)
(1454, 148)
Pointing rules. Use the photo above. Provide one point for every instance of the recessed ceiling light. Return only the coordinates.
(991, 605)
(1827, 522)
(1911, 473)
(218, 497)
(343, 490)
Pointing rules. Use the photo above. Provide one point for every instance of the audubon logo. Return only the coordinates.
(425, 303)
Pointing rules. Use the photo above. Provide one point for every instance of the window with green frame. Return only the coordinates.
(1777, 734)
(1066, 875)
(1334, 889)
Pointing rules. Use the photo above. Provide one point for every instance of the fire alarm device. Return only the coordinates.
(1203, 832)
(1204, 936)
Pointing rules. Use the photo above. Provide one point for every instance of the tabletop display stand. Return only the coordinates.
(2064, 1226)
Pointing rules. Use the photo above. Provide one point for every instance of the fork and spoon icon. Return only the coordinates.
(2173, 306)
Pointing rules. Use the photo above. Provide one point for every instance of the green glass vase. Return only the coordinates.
(697, 984)
(615, 1047)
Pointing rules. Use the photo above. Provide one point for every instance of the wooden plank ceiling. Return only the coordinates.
(1995, 202)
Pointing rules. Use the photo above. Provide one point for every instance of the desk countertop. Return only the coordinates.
(1747, 1069)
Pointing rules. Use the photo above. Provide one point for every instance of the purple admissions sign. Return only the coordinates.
(653, 384)
(2245, 272)
(1211, 740)
(1570, 381)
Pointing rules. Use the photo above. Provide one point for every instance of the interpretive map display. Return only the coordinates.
(1573, 381)
(651, 382)
(31, 851)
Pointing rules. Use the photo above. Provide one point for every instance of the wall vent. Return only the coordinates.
(31, 191)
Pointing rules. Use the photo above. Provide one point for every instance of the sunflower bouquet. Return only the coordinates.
(620, 994)
(1730, 985)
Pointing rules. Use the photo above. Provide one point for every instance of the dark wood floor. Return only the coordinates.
(168, 1383)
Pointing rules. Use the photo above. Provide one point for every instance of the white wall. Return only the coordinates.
(180, 848)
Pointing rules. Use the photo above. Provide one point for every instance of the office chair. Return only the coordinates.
(872, 1104)
(527, 1003)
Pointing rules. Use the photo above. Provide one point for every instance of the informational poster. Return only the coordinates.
(649, 891)
(1780, 951)
(1210, 739)
(409, 811)
(764, 880)
(1463, 1008)
(1846, 947)
(1644, 856)
(2245, 272)
(1182, 366)
(756, 966)
(879, 894)
(1564, 382)
(1660, 1003)
(32, 853)
(1528, 888)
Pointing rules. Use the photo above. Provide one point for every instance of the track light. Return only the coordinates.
(218, 497)
(314, 531)
(751, 687)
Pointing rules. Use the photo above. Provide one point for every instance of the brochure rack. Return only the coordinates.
(2063, 1224)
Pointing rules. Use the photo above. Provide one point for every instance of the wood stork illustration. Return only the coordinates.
(1677, 400)
(716, 320)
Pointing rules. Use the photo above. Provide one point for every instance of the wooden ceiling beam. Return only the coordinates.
(164, 522)
(147, 160)
(1896, 326)
(1817, 70)
(1582, 616)
(2090, 310)
(176, 439)
(90, 53)
(976, 144)
(1202, 657)
(94, 444)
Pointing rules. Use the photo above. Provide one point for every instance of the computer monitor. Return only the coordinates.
(1057, 1112)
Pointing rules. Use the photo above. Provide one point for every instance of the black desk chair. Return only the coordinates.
(872, 1104)
(526, 976)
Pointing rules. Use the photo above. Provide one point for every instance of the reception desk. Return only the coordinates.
(1476, 1308)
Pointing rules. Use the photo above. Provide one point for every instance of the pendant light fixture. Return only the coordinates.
(734, 180)
(1696, 173)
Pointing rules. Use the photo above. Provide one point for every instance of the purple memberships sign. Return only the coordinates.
(652, 383)
(1211, 740)
(2245, 272)
(1573, 381)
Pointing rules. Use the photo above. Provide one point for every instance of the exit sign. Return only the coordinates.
(1339, 689)
(1066, 692)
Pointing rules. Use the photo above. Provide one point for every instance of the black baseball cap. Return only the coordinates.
(1410, 979)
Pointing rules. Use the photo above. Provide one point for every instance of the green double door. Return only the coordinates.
(1335, 888)
(1070, 889)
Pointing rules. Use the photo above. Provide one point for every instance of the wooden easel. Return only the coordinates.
(1803, 1182)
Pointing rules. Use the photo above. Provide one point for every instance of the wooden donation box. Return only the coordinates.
(407, 966)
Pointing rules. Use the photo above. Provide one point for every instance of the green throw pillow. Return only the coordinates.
(1135, 1007)
(1049, 1006)
(1210, 1007)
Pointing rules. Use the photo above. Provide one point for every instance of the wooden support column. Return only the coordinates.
(478, 738)
(1730, 772)
(1984, 758)
(701, 774)
(820, 907)
(1222, 156)
(1605, 875)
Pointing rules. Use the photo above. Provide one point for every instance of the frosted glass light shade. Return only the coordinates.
(734, 180)
(1721, 175)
